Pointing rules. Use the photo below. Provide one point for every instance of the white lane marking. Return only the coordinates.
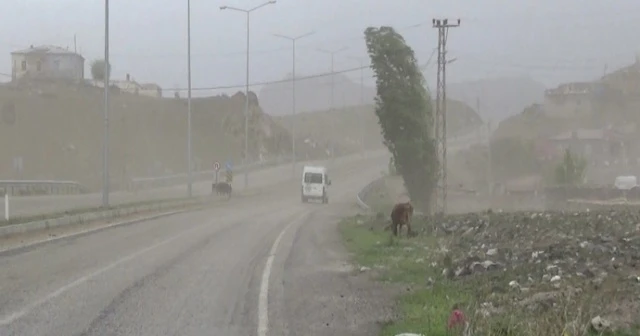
(263, 298)
(26, 310)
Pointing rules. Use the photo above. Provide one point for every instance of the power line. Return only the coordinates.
(263, 51)
(287, 80)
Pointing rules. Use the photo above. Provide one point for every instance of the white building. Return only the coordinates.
(47, 62)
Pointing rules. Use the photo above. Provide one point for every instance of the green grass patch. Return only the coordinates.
(426, 309)
(492, 305)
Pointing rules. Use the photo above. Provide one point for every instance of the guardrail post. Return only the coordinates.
(6, 206)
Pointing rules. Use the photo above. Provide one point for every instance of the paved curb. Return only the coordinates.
(90, 216)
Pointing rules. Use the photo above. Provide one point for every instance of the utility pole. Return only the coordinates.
(443, 26)
(362, 123)
(489, 163)
(333, 84)
(189, 151)
(245, 157)
(293, 40)
(105, 141)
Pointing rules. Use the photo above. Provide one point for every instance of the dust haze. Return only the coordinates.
(532, 80)
(542, 101)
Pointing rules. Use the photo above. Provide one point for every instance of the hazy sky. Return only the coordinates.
(551, 40)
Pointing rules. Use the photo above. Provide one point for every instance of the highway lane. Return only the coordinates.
(198, 273)
(36, 205)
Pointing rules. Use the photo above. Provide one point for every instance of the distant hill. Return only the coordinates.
(499, 98)
(312, 94)
(347, 128)
(56, 126)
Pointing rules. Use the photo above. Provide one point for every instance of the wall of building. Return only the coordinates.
(55, 66)
(567, 106)
(65, 66)
(151, 92)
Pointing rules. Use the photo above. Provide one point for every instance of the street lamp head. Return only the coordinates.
(223, 7)
(272, 1)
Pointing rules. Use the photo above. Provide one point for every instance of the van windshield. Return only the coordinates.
(313, 178)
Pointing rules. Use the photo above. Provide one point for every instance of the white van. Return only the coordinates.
(315, 183)
(625, 182)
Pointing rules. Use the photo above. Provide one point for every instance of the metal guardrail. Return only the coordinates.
(141, 183)
(40, 187)
(362, 193)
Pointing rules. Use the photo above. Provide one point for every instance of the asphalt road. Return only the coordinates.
(265, 265)
(37, 205)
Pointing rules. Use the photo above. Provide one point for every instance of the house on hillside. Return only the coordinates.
(129, 85)
(602, 144)
(571, 99)
(47, 62)
(625, 81)
(151, 90)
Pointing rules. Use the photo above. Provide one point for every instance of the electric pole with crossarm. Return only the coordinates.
(443, 26)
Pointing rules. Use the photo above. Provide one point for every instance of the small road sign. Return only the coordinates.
(229, 165)
(216, 166)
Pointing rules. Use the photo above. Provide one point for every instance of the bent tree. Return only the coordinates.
(405, 112)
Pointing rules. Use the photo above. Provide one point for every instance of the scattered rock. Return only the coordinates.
(538, 260)
(599, 325)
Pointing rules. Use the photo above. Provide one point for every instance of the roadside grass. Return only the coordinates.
(492, 304)
(424, 309)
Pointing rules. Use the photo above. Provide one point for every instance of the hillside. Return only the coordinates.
(499, 98)
(313, 94)
(58, 131)
(346, 127)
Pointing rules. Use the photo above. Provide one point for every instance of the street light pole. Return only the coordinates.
(293, 40)
(333, 83)
(245, 158)
(105, 144)
(189, 153)
(362, 128)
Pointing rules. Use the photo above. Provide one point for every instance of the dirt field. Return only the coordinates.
(57, 130)
(504, 273)
(527, 273)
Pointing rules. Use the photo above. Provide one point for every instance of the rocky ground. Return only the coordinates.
(522, 273)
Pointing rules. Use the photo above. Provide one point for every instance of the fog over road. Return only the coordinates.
(246, 268)
(265, 177)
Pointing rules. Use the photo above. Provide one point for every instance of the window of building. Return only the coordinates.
(24, 65)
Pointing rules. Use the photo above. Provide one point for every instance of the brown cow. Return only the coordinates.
(401, 215)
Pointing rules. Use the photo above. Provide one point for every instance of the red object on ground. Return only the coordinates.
(456, 319)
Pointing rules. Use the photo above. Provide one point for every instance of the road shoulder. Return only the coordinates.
(320, 291)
